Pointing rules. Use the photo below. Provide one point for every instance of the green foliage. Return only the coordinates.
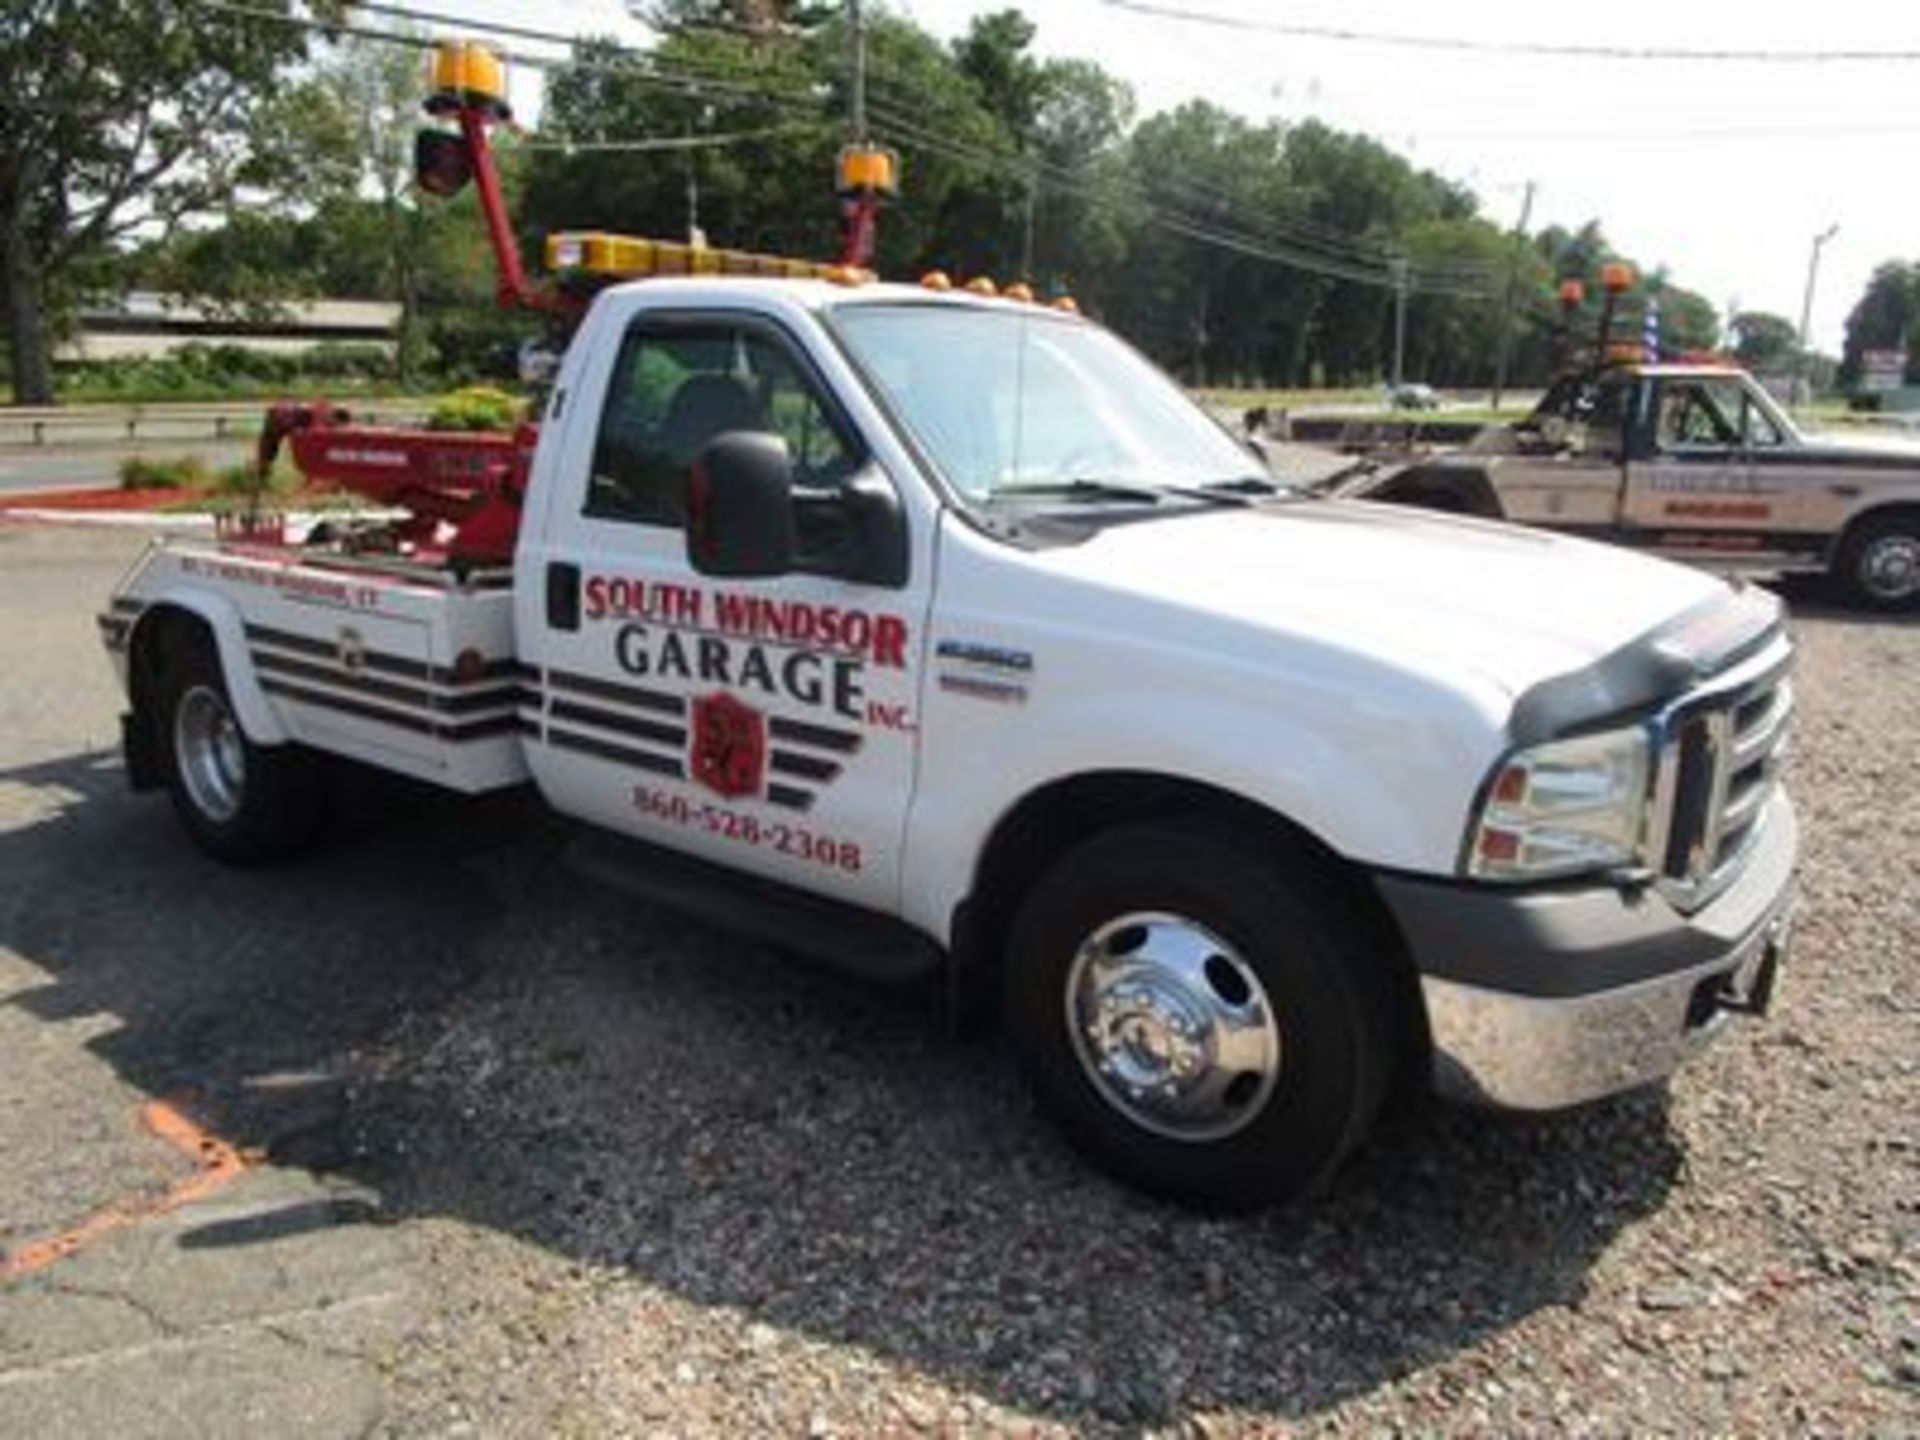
(1764, 342)
(1886, 317)
(118, 115)
(189, 472)
(1012, 166)
(477, 407)
(217, 372)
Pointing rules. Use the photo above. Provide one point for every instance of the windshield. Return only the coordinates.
(1006, 400)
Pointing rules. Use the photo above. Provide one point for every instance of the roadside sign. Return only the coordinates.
(1882, 370)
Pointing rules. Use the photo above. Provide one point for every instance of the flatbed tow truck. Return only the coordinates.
(936, 634)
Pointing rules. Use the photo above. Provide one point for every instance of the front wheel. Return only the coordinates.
(241, 802)
(1201, 1018)
(1878, 564)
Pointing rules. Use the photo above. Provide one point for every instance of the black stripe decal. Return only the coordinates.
(416, 723)
(403, 665)
(419, 724)
(658, 701)
(619, 754)
(841, 742)
(634, 725)
(790, 797)
(807, 767)
(411, 695)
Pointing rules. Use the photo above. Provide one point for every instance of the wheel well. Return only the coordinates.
(163, 631)
(1903, 509)
(1050, 820)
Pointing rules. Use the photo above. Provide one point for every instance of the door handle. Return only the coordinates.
(563, 595)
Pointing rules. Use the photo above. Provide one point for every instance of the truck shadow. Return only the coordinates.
(1816, 597)
(438, 1008)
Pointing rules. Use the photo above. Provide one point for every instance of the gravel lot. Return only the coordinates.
(647, 1178)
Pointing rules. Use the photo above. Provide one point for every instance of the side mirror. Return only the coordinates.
(740, 507)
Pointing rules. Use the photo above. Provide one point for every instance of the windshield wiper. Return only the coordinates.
(1082, 490)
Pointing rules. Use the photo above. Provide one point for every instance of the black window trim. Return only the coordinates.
(781, 336)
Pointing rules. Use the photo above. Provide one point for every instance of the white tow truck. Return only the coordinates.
(938, 634)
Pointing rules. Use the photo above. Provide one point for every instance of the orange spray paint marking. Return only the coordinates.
(217, 1165)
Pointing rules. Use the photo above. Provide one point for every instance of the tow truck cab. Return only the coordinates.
(1694, 462)
(940, 634)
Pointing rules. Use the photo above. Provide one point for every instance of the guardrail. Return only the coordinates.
(41, 427)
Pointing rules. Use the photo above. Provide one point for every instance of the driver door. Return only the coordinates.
(763, 723)
(1695, 485)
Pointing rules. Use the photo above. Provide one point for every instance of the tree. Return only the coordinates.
(116, 116)
(1764, 342)
(344, 137)
(1688, 320)
(1886, 317)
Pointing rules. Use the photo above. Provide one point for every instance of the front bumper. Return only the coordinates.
(1543, 999)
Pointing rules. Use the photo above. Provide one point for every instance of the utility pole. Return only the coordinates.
(857, 64)
(1397, 268)
(1513, 295)
(1805, 367)
(1026, 236)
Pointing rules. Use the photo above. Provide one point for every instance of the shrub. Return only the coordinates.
(477, 407)
(189, 472)
(243, 480)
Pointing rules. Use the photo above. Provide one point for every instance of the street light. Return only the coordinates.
(1806, 312)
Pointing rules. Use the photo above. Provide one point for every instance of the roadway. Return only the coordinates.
(96, 464)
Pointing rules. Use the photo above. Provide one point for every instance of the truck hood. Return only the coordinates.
(1457, 597)
(1878, 452)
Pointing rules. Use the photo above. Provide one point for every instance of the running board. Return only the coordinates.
(861, 943)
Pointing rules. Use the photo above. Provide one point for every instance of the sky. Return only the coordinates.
(1722, 172)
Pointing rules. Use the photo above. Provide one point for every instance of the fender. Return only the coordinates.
(258, 719)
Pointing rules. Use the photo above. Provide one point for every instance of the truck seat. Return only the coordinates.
(704, 406)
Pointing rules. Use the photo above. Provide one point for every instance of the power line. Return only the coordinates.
(1363, 262)
(648, 144)
(634, 66)
(1291, 231)
(1186, 225)
(1533, 48)
(640, 68)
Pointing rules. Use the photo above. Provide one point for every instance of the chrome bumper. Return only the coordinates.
(1544, 1040)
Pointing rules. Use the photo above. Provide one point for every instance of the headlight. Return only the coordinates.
(1562, 808)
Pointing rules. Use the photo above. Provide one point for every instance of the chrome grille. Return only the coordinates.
(1720, 757)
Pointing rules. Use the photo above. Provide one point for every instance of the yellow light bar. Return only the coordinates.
(629, 257)
(465, 72)
(866, 167)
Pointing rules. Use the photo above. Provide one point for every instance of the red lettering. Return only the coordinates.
(890, 641)
(596, 597)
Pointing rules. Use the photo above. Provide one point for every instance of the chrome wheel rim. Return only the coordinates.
(1172, 1026)
(209, 753)
(1890, 567)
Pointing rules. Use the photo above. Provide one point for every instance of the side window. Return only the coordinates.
(1757, 426)
(674, 390)
(1695, 413)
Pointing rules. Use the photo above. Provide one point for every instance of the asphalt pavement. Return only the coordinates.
(424, 1135)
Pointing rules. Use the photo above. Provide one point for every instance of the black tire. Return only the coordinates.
(1282, 921)
(1877, 565)
(243, 803)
